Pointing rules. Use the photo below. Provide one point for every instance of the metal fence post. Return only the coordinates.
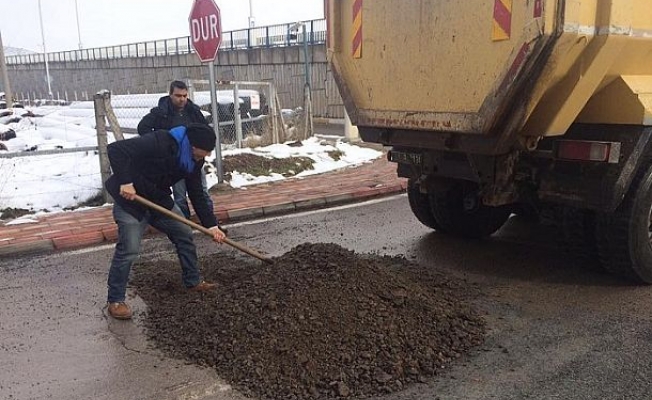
(280, 133)
(9, 97)
(236, 116)
(274, 110)
(102, 142)
(191, 90)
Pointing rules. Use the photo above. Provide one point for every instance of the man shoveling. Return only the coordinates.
(149, 165)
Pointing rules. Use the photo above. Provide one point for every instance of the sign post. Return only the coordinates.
(205, 36)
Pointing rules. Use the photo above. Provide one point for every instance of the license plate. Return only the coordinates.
(403, 157)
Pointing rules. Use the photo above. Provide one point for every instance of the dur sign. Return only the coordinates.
(205, 29)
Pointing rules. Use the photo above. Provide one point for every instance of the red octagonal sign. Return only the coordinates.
(205, 29)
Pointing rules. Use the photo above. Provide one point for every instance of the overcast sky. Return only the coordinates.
(113, 22)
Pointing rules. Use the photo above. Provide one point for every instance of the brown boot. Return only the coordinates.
(203, 286)
(120, 310)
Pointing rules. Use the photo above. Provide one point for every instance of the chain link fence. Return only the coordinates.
(49, 157)
(81, 131)
(239, 121)
(249, 114)
(255, 119)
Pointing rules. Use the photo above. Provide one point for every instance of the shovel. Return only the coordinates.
(207, 231)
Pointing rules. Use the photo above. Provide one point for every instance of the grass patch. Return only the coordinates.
(13, 213)
(335, 154)
(263, 166)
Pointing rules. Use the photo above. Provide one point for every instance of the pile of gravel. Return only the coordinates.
(321, 322)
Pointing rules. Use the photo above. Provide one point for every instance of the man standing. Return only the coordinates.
(176, 110)
(148, 165)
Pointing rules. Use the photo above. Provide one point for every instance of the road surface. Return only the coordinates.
(555, 330)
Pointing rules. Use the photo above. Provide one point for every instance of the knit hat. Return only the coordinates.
(201, 136)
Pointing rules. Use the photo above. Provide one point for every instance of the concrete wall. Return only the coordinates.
(284, 66)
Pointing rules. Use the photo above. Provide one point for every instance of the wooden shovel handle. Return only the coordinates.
(207, 231)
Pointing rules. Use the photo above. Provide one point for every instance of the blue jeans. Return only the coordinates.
(179, 191)
(130, 234)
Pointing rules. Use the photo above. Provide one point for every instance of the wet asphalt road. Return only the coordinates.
(556, 330)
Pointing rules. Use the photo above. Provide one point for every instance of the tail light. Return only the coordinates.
(583, 150)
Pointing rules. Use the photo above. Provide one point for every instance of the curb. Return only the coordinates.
(107, 233)
(240, 215)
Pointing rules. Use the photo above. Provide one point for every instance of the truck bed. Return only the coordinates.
(499, 69)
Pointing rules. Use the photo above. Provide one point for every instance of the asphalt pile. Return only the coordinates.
(321, 322)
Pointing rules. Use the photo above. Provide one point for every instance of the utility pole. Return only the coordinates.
(45, 52)
(251, 16)
(78, 31)
(9, 97)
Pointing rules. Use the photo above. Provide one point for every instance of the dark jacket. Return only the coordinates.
(150, 162)
(163, 116)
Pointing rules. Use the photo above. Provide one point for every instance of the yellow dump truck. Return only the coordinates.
(498, 106)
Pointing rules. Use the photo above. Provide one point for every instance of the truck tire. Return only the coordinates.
(624, 236)
(578, 237)
(420, 205)
(458, 210)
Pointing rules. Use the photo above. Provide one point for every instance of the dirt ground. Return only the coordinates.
(321, 322)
